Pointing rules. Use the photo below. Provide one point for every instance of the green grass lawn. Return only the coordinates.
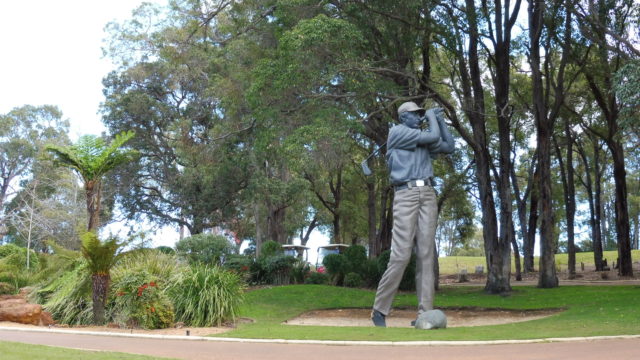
(20, 351)
(590, 311)
(453, 264)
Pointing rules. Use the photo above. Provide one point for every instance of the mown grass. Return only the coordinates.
(590, 311)
(20, 351)
(453, 264)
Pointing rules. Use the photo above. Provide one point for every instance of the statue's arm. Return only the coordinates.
(431, 136)
(447, 145)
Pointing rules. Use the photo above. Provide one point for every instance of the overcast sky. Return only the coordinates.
(51, 54)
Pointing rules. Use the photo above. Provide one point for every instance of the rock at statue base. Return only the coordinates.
(432, 319)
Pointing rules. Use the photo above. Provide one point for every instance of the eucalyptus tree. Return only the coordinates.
(601, 22)
(181, 91)
(23, 134)
(551, 29)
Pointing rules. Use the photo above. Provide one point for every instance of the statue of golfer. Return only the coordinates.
(410, 151)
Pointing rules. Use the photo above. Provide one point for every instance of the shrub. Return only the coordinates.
(156, 263)
(408, 281)
(300, 271)
(139, 302)
(240, 264)
(15, 256)
(68, 296)
(278, 269)
(336, 265)
(166, 250)
(317, 278)
(206, 296)
(353, 279)
(371, 276)
(6, 288)
(270, 248)
(356, 259)
(207, 249)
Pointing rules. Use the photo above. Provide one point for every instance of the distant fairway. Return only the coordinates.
(453, 264)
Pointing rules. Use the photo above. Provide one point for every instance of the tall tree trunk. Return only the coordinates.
(259, 227)
(566, 174)
(92, 191)
(530, 239)
(521, 202)
(503, 22)
(597, 239)
(594, 224)
(374, 249)
(547, 277)
(100, 284)
(275, 224)
(625, 265)
(601, 84)
(516, 253)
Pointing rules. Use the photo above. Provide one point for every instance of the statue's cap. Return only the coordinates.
(409, 106)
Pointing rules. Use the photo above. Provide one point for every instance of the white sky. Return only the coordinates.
(51, 54)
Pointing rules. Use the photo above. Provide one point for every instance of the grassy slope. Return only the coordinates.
(453, 264)
(19, 351)
(590, 311)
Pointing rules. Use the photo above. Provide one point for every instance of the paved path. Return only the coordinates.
(221, 350)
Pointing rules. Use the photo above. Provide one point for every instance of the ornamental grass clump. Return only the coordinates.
(206, 296)
(68, 295)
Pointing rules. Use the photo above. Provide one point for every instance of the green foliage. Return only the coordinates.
(68, 296)
(13, 256)
(8, 249)
(353, 279)
(207, 249)
(100, 256)
(206, 296)
(353, 260)
(408, 281)
(300, 271)
(336, 266)
(278, 269)
(356, 259)
(7, 288)
(139, 280)
(270, 248)
(317, 278)
(157, 264)
(140, 302)
(91, 157)
(166, 249)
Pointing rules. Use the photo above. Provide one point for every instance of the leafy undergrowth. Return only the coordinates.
(590, 311)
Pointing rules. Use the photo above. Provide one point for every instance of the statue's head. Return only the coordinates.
(410, 114)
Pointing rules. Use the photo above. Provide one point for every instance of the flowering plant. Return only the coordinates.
(139, 302)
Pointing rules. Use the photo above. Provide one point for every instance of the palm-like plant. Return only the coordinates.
(101, 256)
(91, 157)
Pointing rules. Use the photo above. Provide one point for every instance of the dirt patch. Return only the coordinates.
(456, 317)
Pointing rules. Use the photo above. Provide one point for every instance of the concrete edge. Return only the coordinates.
(325, 342)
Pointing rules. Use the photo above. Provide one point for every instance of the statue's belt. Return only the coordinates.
(412, 184)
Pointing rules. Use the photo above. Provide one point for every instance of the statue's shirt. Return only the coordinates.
(410, 152)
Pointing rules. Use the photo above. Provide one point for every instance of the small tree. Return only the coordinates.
(91, 158)
(101, 256)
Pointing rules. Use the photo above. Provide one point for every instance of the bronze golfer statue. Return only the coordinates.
(410, 151)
